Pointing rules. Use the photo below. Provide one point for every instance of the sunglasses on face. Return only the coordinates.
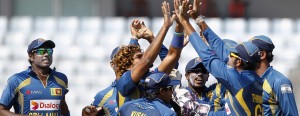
(42, 51)
(232, 54)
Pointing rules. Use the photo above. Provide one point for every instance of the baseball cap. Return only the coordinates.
(38, 43)
(230, 45)
(158, 80)
(195, 63)
(248, 51)
(263, 42)
(113, 53)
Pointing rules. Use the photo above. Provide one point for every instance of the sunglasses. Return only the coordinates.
(232, 54)
(42, 51)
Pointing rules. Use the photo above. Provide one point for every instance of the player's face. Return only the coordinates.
(197, 79)
(42, 57)
(137, 57)
(167, 94)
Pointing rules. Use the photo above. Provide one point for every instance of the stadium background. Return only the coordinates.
(86, 31)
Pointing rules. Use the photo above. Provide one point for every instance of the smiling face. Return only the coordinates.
(197, 77)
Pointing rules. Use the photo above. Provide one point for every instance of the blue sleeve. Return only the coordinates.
(285, 96)
(134, 42)
(218, 113)
(9, 95)
(125, 84)
(228, 76)
(216, 44)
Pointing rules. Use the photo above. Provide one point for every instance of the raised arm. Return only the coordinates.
(214, 41)
(152, 51)
(174, 50)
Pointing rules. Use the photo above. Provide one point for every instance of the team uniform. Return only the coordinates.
(127, 89)
(244, 96)
(107, 98)
(217, 101)
(144, 107)
(27, 94)
(205, 96)
(278, 96)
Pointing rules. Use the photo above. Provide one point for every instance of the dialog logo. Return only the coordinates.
(37, 105)
(34, 105)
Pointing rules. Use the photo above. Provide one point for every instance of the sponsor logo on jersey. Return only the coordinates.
(38, 105)
(33, 92)
(56, 91)
(286, 88)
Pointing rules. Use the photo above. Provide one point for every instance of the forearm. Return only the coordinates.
(64, 108)
(188, 27)
(6, 112)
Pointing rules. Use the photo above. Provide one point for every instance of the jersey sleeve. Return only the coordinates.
(97, 99)
(125, 84)
(285, 96)
(225, 74)
(216, 44)
(9, 94)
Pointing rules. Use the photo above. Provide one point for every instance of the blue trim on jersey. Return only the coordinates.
(110, 103)
(145, 107)
(278, 96)
(26, 93)
(244, 86)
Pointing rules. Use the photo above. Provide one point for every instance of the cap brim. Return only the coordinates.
(49, 43)
(174, 82)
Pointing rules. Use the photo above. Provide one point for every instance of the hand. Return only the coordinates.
(145, 33)
(168, 21)
(181, 7)
(90, 111)
(134, 27)
(194, 10)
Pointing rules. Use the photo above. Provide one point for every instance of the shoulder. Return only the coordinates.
(104, 91)
(18, 77)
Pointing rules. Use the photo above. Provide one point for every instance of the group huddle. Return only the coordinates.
(247, 83)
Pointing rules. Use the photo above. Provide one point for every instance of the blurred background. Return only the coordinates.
(86, 31)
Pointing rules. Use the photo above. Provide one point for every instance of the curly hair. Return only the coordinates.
(123, 59)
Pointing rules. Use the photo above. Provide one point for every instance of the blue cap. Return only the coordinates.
(158, 80)
(38, 43)
(113, 53)
(248, 51)
(263, 43)
(195, 63)
(230, 45)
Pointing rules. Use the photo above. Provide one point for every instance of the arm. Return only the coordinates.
(152, 51)
(214, 41)
(8, 97)
(227, 76)
(285, 97)
(134, 40)
(174, 53)
(64, 108)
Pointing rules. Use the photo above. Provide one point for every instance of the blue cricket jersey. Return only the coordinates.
(205, 96)
(27, 94)
(245, 87)
(278, 96)
(144, 107)
(217, 102)
(107, 98)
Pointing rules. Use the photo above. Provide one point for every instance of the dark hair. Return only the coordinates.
(249, 65)
(270, 56)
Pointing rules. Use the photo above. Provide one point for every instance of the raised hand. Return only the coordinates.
(168, 20)
(134, 28)
(90, 111)
(181, 8)
(194, 11)
(186, 40)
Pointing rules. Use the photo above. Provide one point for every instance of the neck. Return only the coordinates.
(42, 73)
(198, 90)
(262, 68)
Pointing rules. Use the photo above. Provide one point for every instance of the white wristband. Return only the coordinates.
(199, 19)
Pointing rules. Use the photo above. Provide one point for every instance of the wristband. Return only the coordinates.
(178, 34)
(199, 19)
(177, 41)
